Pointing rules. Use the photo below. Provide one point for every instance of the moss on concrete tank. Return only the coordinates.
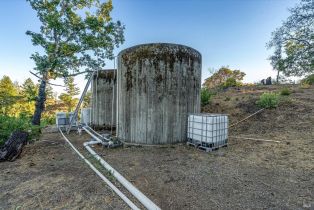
(158, 85)
(102, 98)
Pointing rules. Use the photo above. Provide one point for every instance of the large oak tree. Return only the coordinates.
(76, 37)
(223, 75)
(293, 42)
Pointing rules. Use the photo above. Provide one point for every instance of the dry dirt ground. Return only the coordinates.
(245, 175)
(50, 176)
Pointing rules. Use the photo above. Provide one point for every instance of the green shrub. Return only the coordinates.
(205, 96)
(268, 100)
(286, 100)
(49, 120)
(227, 98)
(230, 82)
(305, 85)
(285, 92)
(309, 80)
(10, 124)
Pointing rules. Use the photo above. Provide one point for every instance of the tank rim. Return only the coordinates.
(104, 72)
(158, 43)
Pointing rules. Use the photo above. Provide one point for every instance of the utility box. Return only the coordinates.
(61, 119)
(207, 131)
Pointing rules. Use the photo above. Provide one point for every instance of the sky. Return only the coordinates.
(226, 32)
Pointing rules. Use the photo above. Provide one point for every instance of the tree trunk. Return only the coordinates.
(13, 146)
(40, 103)
(277, 80)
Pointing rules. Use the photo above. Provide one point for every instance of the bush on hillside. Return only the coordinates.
(224, 77)
(268, 100)
(304, 85)
(205, 96)
(309, 80)
(285, 91)
(230, 82)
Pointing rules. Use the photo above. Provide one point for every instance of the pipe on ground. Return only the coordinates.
(131, 188)
(114, 188)
(86, 128)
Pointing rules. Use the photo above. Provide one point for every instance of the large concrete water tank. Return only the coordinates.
(158, 85)
(104, 95)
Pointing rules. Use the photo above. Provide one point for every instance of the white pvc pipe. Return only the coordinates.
(94, 136)
(131, 188)
(113, 92)
(117, 105)
(94, 132)
(114, 188)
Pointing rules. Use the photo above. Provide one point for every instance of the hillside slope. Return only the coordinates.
(245, 175)
(292, 119)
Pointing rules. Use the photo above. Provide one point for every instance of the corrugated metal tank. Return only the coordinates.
(158, 85)
(103, 113)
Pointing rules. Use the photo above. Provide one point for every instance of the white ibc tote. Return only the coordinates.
(210, 130)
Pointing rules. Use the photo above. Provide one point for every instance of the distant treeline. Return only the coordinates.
(18, 100)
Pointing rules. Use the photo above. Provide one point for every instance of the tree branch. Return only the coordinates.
(45, 80)
(290, 37)
(73, 75)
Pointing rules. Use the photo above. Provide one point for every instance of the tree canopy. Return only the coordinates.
(29, 90)
(19, 100)
(71, 90)
(8, 94)
(293, 42)
(16, 100)
(87, 99)
(73, 36)
(224, 77)
(76, 36)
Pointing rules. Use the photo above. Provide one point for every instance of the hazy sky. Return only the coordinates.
(225, 32)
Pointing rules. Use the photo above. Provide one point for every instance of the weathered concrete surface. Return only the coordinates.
(103, 113)
(158, 85)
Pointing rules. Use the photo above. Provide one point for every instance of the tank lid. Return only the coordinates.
(160, 45)
(106, 74)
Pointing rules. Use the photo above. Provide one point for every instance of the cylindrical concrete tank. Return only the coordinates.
(104, 97)
(158, 85)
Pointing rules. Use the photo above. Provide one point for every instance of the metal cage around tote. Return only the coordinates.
(207, 131)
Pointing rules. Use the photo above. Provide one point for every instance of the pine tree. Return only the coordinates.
(8, 95)
(71, 90)
(29, 90)
(87, 99)
(70, 87)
